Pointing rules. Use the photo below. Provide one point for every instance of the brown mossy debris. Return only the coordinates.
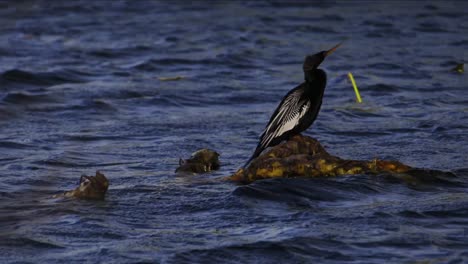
(91, 187)
(304, 156)
(203, 160)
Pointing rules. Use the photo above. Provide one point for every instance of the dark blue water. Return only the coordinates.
(80, 91)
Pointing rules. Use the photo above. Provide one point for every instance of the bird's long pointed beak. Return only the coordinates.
(330, 51)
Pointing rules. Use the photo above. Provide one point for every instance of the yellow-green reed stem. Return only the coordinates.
(351, 78)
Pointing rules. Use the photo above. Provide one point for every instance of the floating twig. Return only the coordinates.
(176, 78)
(459, 68)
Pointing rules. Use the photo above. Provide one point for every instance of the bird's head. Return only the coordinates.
(311, 62)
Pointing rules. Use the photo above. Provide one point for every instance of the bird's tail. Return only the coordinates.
(257, 152)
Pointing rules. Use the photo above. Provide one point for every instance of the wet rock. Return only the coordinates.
(203, 160)
(91, 187)
(304, 156)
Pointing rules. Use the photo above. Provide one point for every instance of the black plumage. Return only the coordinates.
(299, 108)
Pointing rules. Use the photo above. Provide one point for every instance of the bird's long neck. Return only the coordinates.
(315, 75)
(315, 82)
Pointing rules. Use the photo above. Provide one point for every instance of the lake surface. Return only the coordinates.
(80, 92)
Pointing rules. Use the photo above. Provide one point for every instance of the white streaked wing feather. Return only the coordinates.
(292, 121)
(287, 118)
(285, 107)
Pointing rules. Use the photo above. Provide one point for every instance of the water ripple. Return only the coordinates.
(41, 78)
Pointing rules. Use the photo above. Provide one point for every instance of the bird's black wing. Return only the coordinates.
(286, 117)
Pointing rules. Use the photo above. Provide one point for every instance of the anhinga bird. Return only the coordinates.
(299, 108)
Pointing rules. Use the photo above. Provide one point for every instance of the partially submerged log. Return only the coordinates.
(91, 187)
(304, 156)
(203, 160)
